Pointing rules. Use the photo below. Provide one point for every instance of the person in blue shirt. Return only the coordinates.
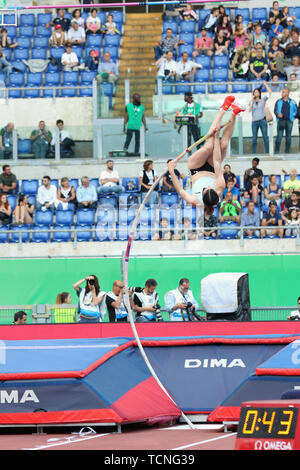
(232, 189)
(86, 194)
(285, 111)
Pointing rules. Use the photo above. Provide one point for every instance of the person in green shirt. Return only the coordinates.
(195, 110)
(133, 119)
(292, 184)
(6, 140)
(8, 181)
(40, 141)
(230, 209)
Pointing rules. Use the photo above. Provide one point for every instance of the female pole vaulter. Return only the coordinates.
(205, 164)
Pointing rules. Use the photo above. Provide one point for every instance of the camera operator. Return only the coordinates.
(91, 307)
(115, 302)
(145, 302)
(180, 302)
(166, 67)
(295, 314)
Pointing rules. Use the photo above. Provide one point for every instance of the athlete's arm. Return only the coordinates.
(189, 198)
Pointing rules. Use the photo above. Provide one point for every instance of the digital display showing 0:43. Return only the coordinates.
(268, 422)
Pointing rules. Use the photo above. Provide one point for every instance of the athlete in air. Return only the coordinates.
(205, 164)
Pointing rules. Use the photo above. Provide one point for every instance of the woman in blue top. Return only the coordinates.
(205, 164)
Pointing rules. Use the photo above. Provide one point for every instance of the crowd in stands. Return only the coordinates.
(266, 48)
(263, 205)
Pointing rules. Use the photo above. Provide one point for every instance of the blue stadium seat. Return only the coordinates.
(40, 234)
(186, 48)
(21, 54)
(204, 60)
(240, 86)
(39, 53)
(231, 231)
(27, 31)
(128, 180)
(259, 14)
(188, 38)
(104, 233)
(70, 78)
(220, 62)
(43, 19)
(8, 52)
(94, 40)
(108, 90)
(85, 90)
(19, 65)
(56, 52)
(24, 42)
(202, 75)
(87, 77)
(31, 91)
(64, 217)
(202, 14)
(10, 18)
(43, 218)
(61, 233)
(52, 78)
(85, 217)
(88, 49)
(189, 212)
(221, 76)
(83, 233)
(40, 41)
(11, 31)
(105, 215)
(126, 216)
(16, 233)
(12, 201)
(167, 89)
(78, 51)
(184, 87)
(122, 232)
(112, 40)
(144, 233)
(29, 187)
(24, 146)
(118, 16)
(35, 79)
(168, 213)
(42, 31)
(74, 182)
(16, 79)
(187, 26)
(245, 12)
(4, 236)
(169, 198)
(108, 200)
(170, 24)
(95, 182)
(102, 16)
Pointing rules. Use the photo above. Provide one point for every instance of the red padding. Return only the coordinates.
(283, 372)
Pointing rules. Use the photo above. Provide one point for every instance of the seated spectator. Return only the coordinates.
(147, 178)
(244, 49)
(254, 170)
(291, 185)
(270, 220)
(86, 195)
(250, 218)
(64, 139)
(69, 60)
(221, 44)
(228, 175)
(293, 48)
(275, 11)
(76, 16)
(109, 180)
(292, 221)
(253, 191)
(274, 47)
(8, 181)
(211, 20)
(203, 45)
(210, 221)
(23, 211)
(230, 187)
(285, 39)
(225, 26)
(164, 233)
(186, 232)
(267, 27)
(76, 34)
(276, 29)
(66, 195)
(167, 186)
(6, 140)
(61, 19)
(170, 11)
(169, 42)
(275, 84)
(188, 14)
(5, 210)
(272, 192)
(277, 65)
(5, 66)
(293, 84)
(294, 68)
(108, 70)
(5, 41)
(92, 61)
(230, 209)
(93, 23)
(110, 26)
(166, 67)
(241, 67)
(258, 37)
(46, 196)
(40, 141)
(186, 68)
(58, 37)
(240, 35)
(292, 201)
(20, 318)
(259, 64)
(286, 18)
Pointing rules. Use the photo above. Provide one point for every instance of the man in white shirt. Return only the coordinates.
(69, 60)
(180, 302)
(295, 314)
(166, 67)
(63, 138)
(185, 68)
(109, 180)
(76, 34)
(46, 196)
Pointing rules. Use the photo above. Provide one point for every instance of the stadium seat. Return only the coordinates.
(61, 233)
(108, 200)
(240, 86)
(126, 216)
(122, 232)
(131, 184)
(83, 233)
(40, 234)
(74, 182)
(187, 26)
(52, 78)
(29, 187)
(220, 62)
(64, 217)
(31, 91)
(4, 236)
(94, 40)
(267, 181)
(43, 218)
(186, 48)
(19, 65)
(24, 146)
(221, 76)
(34, 79)
(105, 216)
(85, 217)
(104, 233)
(10, 19)
(202, 14)
(112, 40)
(42, 31)
(16, 233)
(21, 54)
(24, 42)
(40, 41)
(43, 19)
(16, 79)
(118, 16)
(56, 52)
(12, 201)
(170, 24)
(245, 12)
(113, 51)
(108, 90)
(94, 182)
(11, 31)
(188, 38)
(26, 31)
(169, 198)
(259, 14)
(183, 87)
(87, 77)
(39, 53)
(231, 231)
(167, 89)
(189, 212)
(204, 60)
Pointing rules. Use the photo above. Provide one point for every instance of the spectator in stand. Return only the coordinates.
(253, 191)
(110, 25)
(258, 37)
(221, 44)
(76, 16)
(167, 185)
(61, 19)
(294, 68)
(293, 84)
(147, 178)
(47, 195)
(287, 19)
(276, 85)
(20, 318)
(277, 65)
(166, 67)
(69, 60)
(204, 45)
(271, 220)
(108, 70)
(210, 221)
(276, 29)
(231, 188)
(169, 42)
(292, 202)
(186, 68)
(275, 11)
(228, 175)
(178, 300)
(76, 34)
(86, 194)
(225, 26)
(267, 27)
(292, 221)
(188, 14)
(273, 192)
(230, 209)
(293, 48)
(292, 184)
(5, 41)
(250, 218)
(254, 170)
(115, 303)
(92, 61)
(63, 138)
(187, 232)
(23, 211)
(210, 22)
(5, 210)
(164, 232)
(58, 37)
(257, 108)
(133, 119)
(40, 141)
(5, 66)
(240, 34)
(243, 50)
(66, 195)
(285, 39)
(241, 67)
(259, 64)
(110, 181)
(274, 47)
(285, 111)
(93, 23)
(8, 181)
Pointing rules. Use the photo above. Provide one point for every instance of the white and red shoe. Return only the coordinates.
(227, 103)
(237, 108)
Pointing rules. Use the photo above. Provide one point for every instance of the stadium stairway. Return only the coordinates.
(141, 32)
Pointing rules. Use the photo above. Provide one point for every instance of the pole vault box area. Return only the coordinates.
(107, 381)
